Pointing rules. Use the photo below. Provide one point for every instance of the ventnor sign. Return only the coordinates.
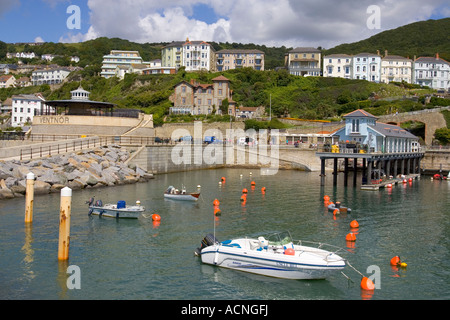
(54, 120)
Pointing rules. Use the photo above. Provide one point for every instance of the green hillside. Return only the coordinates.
(299, 97)
(423, 38)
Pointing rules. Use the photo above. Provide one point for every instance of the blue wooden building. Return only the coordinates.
(363, 129)
(385, 150)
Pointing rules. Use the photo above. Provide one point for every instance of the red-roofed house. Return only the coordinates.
(7, 81)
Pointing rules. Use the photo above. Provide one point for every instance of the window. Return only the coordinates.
(355, 125)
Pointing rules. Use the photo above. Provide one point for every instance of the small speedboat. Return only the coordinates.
(120, 210)
(334, 206)
(175, 194)
(274, 255)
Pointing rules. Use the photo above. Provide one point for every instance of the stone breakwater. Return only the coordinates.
(103, 166)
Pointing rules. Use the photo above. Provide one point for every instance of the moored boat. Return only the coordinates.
(274, 255)
(120, 210)
(337, 205)
(175, 194)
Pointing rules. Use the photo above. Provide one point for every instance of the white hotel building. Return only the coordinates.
(396, 69)
(367, 66)
(121, 59)
(26, 106)
(337, 66)
(433, 72)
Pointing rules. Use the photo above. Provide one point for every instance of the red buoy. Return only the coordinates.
(354, 224)
(367, 284)
(395, 261)
(350, 237)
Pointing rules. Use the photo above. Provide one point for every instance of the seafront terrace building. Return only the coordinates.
(367, 66)
(229, 59)
(396, 69)
(121, 59)
(337, 66)
(433, 72)
(49, 76)
(193, 55)
(304, 61)
(171, 55)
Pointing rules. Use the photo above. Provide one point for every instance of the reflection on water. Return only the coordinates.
(143, 259)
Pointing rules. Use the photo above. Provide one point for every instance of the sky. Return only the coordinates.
(290, 23)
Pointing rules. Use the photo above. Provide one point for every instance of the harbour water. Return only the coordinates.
(141, 259)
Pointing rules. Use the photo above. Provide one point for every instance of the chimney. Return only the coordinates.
(437, 56)
(385, 53)
(378, 52)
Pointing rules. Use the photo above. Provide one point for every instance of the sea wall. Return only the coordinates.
(98, 167)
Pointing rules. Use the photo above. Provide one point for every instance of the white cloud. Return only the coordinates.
(38, 39)
(274, 23)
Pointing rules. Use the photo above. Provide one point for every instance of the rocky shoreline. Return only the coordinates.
(99, 167)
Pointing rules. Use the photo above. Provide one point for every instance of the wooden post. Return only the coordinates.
(29, 198)
(64, 224)
(322, 171)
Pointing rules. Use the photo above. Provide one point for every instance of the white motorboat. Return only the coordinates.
(175, 194)
(274, 255)
(120, 210)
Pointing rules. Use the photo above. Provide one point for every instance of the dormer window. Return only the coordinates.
(355, 126)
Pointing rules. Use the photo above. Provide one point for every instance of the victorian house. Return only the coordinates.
(195, 98)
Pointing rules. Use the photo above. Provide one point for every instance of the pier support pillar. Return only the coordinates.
(322, 171)
(395, 168)
(345, 171)
(335, 171)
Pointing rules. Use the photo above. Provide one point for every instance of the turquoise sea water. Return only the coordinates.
(140, 259)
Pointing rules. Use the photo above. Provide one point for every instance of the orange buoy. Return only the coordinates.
(289, 251)
(243, 197)
(389, 185)
(336, 211)
(367, 284)
(395, 261)
(326, 198)
(253, 183)
(350, 237)
(223, 179)
(354, 224)
(156, 217)
(216, 202)
(244, 190)
(216, 211)
(263, 189)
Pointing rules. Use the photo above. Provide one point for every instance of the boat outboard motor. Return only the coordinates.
(90, 201)
(207, 241)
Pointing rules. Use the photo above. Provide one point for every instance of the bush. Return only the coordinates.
(443, 136)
